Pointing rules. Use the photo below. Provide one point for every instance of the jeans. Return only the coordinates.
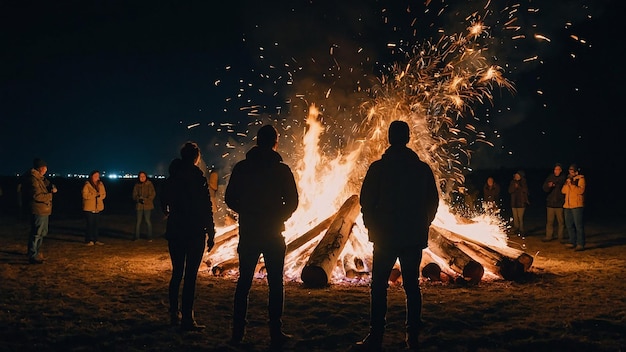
(575, 227)
(39, 229)
(383, 261)
(186, 256)
(274, 257)
(143, 214)
(518, 219)
(92, 226)
(555, 213)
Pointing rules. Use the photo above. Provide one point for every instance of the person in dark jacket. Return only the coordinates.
(262, 190)
(143, 195)
(399, 200)
(491, 195)
(186, 202)
(554, 203)
(40, 192)
(518, 189)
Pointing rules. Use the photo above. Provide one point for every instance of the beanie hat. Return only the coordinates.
(37, 163)
(398, 133)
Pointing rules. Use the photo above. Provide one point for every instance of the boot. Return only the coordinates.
(412, 338)
(188, 323)
(372, 342)
(277, 337)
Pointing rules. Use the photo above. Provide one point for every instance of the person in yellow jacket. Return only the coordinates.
(93, 204)
(574, 191)
(143, 195)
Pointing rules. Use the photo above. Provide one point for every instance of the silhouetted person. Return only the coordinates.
(518, 189)
(93, 193)
(143, 195)
(399, 200)
(574, 191)
(262, 190)
(40, 192)
(554, 203)
(190, 227)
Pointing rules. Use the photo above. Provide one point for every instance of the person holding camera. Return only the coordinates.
(143, 195)
(518, 189)
(574, 191)
(93, 193)
(554, 203)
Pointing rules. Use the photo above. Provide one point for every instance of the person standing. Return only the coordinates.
(518, 189)
(143, 195)
(40, 191)
(187, 205)
(262, 190)
(491, 195)
(574, 191)
(554, 203)
(399, 200)
(93, 193)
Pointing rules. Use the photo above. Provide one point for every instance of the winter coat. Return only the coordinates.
(39, 190)
(519, 193)
(185, 198)
(491, 194)
(93, 197)
(262, 190)
(143, 195)
(399, 199)
(555, 198)
(574, 192)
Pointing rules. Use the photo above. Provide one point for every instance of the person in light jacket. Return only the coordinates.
(93, 193)
(574, 191)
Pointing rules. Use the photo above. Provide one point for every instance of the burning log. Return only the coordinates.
(458, 260)
(309, 235)
(323, 260)
(508, 263)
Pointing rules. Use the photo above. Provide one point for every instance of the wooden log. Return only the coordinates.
(318, 270)
(458, 260)
(309, 235)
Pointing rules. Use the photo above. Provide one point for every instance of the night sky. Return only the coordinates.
(120, 85)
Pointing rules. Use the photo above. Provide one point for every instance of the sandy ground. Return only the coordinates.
(114, 298)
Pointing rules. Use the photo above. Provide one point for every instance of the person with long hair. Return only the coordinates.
(93, 193)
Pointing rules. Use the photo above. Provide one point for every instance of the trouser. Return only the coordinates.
(274, 258)
(186, 256)
(91, 235)
(575, 226)
(555, 213)
(143, 214)
(39, 230)
(383, 261)
(518, 219)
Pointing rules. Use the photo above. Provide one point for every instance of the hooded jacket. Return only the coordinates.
(399, 199)
(185, 198)
(41, 200)
(262, 190)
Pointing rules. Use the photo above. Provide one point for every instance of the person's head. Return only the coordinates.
(94, 176)
(398, 133)
(490, 181)
(190, 153)
(558, 169)
(573, 170)
(267, 137)
(142, 176)
(519, 175)
(40, 165)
